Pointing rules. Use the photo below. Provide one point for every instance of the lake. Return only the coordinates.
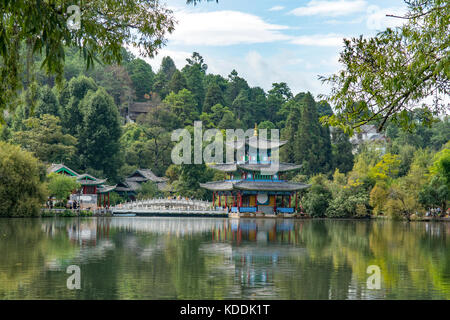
(216, 258)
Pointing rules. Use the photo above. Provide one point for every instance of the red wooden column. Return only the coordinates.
(219, 196)
(226, 205)
(104, 201)
(214, 193)
(239, 200)
(108, 200)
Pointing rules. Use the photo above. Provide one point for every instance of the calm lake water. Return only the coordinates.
(192, 258)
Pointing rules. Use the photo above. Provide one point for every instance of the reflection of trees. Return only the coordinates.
(26, 251)
(311, 259)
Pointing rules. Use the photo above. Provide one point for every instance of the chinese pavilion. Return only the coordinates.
(130, 187)
(248, 186)
(94, 192)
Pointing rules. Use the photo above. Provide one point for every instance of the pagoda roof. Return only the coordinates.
(218, 185)
(59, 167)
(84, 179)
(257, 143)
(141, 175)
(270, 185)
(231, 167)
(227, 167)
(88, 180)
(106, 189)
(263, 166)
(254, 185)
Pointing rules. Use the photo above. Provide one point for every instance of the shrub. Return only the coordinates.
(315, 202)
(348, 204)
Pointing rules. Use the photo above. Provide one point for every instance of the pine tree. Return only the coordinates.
(213, 96)
(342, 151)
(99, 141)
(168, 67)
(312, 146)
(177, 82)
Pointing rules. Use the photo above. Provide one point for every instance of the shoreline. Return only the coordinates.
(92, 214)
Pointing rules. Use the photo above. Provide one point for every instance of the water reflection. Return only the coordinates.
(192, 258)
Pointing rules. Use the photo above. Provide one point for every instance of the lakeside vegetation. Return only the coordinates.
(72, 113)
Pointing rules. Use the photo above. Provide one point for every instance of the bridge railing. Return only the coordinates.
(172, 204)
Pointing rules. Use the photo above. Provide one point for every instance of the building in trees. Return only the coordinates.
(130, 187)
(250, 187)
(94, 192)
(368, 133)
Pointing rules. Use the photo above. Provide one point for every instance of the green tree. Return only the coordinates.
(342, 151)
(213, 96)
(48, 103)
(241, 108)
(99, 145)
(61, 186)
(177, 82)
(235, 85)
(312, 146)
(184, 105)
(44, 137)
(42, 27)
(277, 96)
(70, 97)
(22, 182)
(316, 200)
(141, 75)
(194, 73)
(394, 71)
(168, 67)
(149, 190)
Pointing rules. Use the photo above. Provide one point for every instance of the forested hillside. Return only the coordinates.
(85, 124)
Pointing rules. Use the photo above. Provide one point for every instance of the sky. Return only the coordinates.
(292, 41)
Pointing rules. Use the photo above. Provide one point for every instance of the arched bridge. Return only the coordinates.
(168, 207)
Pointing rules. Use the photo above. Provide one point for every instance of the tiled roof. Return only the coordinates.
(58, 166)
(231, 167)
(262, 166)
(254, 185)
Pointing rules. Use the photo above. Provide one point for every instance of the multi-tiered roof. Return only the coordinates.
(250, 181)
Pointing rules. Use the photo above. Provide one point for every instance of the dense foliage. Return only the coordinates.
(384, 77)
(84, 121)
(22, 182)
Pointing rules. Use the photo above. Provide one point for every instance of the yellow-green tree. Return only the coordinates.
(22, 185)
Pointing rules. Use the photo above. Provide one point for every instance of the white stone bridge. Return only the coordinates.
(167, 207)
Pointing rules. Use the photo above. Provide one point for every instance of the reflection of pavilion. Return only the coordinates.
(254, 266)
(259, 230)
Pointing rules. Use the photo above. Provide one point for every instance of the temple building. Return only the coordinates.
(249, 188)
(94, 192)
(131, 185)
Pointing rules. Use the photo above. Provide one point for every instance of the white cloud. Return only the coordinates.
(223, 28)
(321, 40)
(330, 8)
(377, 19)
(276, 8)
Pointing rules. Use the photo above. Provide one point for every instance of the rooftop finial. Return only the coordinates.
(255, 131)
